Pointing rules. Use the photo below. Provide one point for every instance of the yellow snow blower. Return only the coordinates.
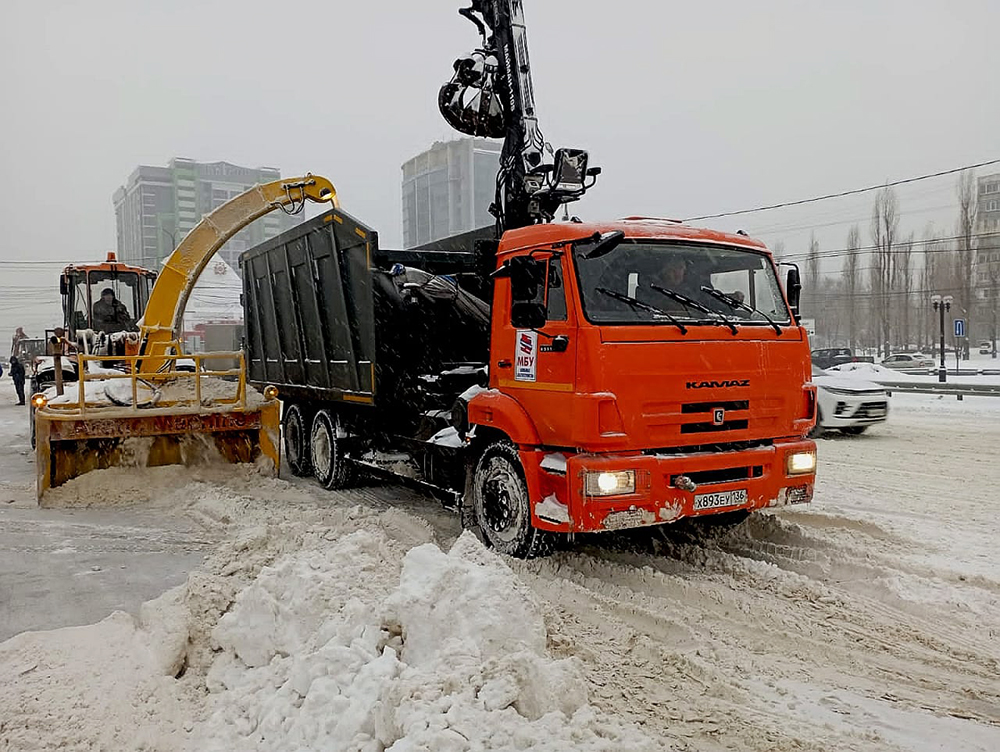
(134, 398)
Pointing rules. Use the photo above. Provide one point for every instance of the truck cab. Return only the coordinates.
(645, 371)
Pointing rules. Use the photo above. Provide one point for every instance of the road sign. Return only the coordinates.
(959, 327)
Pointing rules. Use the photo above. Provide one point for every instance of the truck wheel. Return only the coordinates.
(329, 463)
(297, 440)
(501, 505)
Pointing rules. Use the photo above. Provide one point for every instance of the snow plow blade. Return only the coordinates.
(75, 437)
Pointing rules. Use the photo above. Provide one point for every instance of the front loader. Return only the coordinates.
(149, 407)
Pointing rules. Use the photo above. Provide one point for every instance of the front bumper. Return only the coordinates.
(847, 410)
(560, 502)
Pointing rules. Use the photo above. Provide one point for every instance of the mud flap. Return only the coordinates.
(69, 448)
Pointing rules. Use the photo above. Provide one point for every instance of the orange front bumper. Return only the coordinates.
(557, 486)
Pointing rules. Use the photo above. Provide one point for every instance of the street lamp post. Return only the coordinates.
(941, 305)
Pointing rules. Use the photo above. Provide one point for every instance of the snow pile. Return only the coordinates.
(319, 654)
(118, 392)
(108, 685)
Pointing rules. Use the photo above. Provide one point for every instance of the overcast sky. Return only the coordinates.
(690, 108)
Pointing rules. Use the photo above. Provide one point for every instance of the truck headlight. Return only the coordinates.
(270, 392)
(610, 484)
(801, 463)
(39, 400)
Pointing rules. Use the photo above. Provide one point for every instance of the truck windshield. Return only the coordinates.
(637, 268)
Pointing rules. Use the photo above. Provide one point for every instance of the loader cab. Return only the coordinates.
(81, 286)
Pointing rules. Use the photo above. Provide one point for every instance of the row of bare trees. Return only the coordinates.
(879, 301)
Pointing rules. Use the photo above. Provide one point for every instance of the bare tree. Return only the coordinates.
(968, 205)
(884, 227)
(904, 288)
(850, 274)
(812, 277)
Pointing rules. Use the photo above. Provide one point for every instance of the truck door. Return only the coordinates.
(535, 360)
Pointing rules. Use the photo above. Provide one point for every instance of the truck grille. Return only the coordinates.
(707, 407)
(726, 475)
(729, 425)
(730, 406)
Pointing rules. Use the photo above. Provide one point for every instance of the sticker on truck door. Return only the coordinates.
(526, 357)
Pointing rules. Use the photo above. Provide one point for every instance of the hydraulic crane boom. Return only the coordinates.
(491, 95)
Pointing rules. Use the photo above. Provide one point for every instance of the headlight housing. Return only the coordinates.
(801, 463)
(270, 392)
(618, 483)
(39, 400)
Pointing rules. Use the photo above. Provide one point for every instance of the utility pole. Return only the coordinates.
(941, 305)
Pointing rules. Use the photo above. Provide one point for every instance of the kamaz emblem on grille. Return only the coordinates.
(717, 384)
(718, 416)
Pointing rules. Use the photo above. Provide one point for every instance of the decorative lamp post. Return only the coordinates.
(941, 305)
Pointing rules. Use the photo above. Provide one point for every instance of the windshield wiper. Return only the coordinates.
(737, 304)
(636, 303)
(685, 300)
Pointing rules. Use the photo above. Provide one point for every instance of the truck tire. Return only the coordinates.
(329, 463)
(501, 504)
(297, 439)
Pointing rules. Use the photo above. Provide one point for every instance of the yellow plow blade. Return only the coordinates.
(80, 432)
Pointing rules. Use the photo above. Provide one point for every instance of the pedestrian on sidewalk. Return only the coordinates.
(17, 376)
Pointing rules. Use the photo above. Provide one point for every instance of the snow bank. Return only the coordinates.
(321, 652)
(108, 685)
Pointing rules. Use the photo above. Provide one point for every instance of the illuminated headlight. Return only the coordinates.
(39, 400)
(270, 392)
(610, 484)
(800, 463)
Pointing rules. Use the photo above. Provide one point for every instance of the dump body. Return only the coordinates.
(420, 375)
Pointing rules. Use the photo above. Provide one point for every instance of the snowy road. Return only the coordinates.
(869, 620)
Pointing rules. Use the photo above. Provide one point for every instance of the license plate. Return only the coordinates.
(720, 499)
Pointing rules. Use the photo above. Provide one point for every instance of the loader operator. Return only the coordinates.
(110, 314)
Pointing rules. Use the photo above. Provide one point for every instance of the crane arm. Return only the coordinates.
(160, 325)
(491, 94)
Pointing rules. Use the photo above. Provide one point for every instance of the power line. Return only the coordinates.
(844, 193)
(897, 247)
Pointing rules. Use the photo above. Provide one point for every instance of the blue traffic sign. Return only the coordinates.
(959, 327)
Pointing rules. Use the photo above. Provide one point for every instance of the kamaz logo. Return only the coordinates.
(717, 384)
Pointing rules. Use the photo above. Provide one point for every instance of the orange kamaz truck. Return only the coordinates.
(547, 377)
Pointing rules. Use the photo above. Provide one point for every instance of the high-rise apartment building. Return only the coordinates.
(988, 238)
(158, 206)
(448, 189)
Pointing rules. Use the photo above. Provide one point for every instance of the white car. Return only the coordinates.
(909, 362)
(847, 403)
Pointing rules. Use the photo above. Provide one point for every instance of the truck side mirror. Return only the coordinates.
(793, 288)
(527, 315)
(527, 278)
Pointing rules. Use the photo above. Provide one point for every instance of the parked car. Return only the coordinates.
(835, 356)
(985, 347)
(847, 403)
(909, 362)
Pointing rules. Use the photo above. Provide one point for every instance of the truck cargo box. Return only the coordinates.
(331, 317)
